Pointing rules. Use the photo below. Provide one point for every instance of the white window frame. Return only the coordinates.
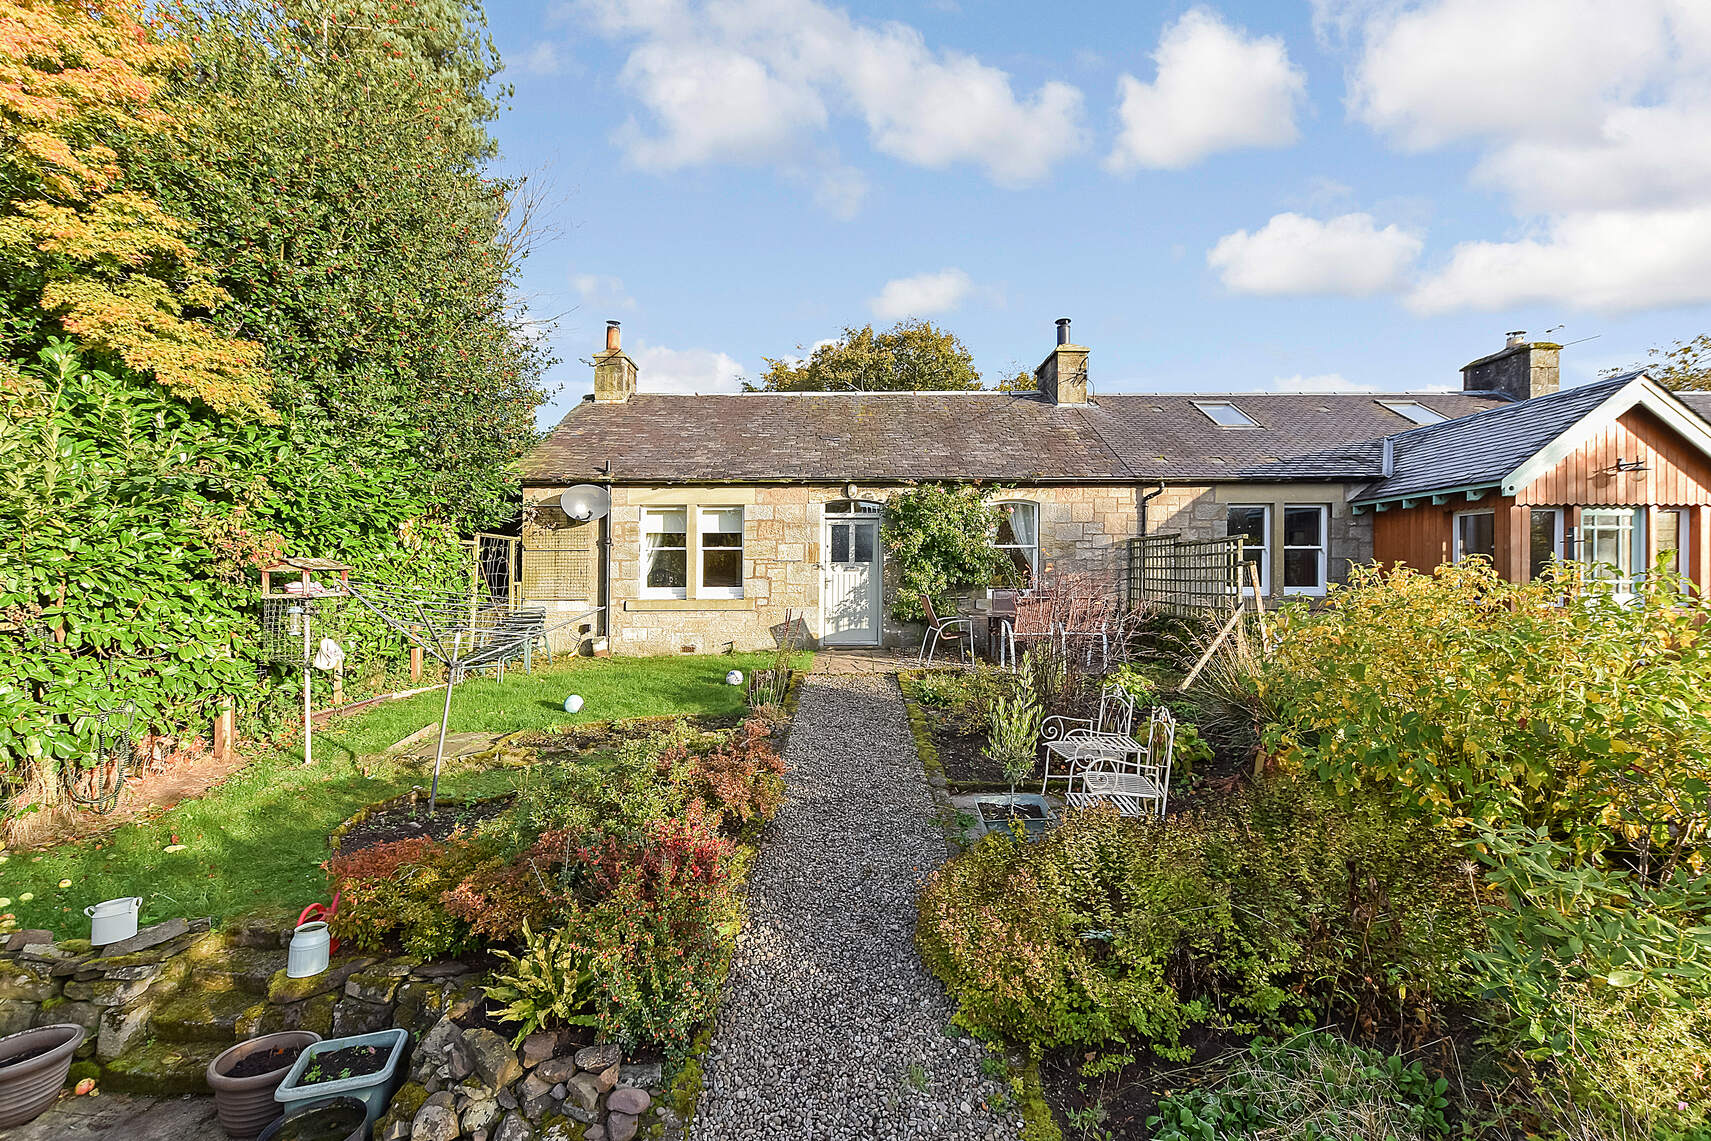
(1459, 516)
(1323, 547)
(1413, 410)
(1265, 551)
(1034, 550)
(1637, 546)
(643, 589)
(1683, 568)
(1206, 406)
(702, 590)
(1558, 550)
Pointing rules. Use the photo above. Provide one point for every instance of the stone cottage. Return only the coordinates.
(730, 512)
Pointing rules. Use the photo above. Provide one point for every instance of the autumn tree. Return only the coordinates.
(83, 249)
(911, 355)
(1685, 364)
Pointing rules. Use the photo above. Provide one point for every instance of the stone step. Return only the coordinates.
(247, 969)
(197, 1015)
(164, 1069)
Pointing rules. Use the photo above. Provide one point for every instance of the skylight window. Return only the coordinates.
(1415, 411)
(1225, 414)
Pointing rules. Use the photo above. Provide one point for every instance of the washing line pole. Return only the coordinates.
(445, 719)
(308, 700)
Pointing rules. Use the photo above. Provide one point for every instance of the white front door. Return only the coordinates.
(850, 594)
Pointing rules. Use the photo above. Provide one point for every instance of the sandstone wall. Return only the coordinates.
(1082, 531)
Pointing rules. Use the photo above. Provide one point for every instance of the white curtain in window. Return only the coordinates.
(1024, 520)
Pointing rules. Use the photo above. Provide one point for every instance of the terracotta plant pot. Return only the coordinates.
(29, 1086)
(246, 1105)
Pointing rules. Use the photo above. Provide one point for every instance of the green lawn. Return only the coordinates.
(259, 838)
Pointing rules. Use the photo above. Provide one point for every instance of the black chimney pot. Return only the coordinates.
(1063, 330)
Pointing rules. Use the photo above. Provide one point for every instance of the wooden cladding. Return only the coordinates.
(1676, 474)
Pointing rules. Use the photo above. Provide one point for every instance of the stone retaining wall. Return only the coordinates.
(158, 1006)
(161, 1005)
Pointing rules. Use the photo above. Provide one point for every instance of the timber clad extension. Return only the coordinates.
(730, 512)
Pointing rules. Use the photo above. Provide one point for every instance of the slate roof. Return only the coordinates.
(1700, 402)
(1003, 437)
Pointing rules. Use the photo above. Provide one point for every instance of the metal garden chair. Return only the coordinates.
(1069, 740)
(958, 630)
(1135, 783)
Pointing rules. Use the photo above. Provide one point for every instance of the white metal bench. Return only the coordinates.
(1135, 782)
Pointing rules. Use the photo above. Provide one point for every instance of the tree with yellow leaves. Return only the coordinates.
(101, 259)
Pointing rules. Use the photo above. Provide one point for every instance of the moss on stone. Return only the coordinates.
(81, 1070)
(1038, 1121)
(164, 1069)
(684, 1089)
(75, 946)
(403, 1107)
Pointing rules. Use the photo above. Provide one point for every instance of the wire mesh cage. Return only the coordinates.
(310, 605)
(284, 618)
(99, 778)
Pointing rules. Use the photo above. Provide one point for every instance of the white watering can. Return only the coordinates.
(113, 920)
(310, 946)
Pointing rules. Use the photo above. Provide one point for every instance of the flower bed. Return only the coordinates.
(614, 881)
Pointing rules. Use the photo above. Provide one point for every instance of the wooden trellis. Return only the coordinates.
(1185, 576)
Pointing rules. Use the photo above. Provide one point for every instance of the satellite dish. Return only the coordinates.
(585, 502)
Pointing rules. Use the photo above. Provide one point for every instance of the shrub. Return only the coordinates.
(394, 893)
(940, 538)
(1013, 733)
(1276, 907)
(739, 777)
(1602, 983)
(1312, 1088)
(1489, 704)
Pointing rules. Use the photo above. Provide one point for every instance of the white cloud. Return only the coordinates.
(545, 58)
(840, 190)
(1323, 382)
(759, 81)
(711, 103)
(1350, 256)
(1606, 260)
(1217, 89)
(1456, 69)
(659, 369)
(922, 295)
(602, 292)
(1588, 115)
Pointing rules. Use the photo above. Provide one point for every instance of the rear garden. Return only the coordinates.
(1433, 864)
(571, 905)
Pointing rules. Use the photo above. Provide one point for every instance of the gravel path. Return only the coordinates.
(831, 1028)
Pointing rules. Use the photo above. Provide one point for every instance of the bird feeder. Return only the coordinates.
(309, 600)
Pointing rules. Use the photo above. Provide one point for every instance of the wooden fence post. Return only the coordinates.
(225, 728)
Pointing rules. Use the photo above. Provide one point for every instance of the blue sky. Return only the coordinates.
(1225, 196)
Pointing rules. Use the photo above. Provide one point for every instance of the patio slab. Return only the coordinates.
(117, 1115)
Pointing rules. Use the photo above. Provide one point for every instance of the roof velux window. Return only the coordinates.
(1415, 411)
(1225, 415)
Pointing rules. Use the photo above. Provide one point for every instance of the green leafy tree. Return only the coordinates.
(335, 166)
(910, 356)
(940, 539)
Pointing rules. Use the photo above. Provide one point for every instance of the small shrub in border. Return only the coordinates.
(1312, 1088)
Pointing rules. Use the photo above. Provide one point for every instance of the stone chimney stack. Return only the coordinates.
(1062, 376)
(614, 371)
(1524, 369)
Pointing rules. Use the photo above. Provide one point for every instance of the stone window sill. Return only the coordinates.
(643, 605)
